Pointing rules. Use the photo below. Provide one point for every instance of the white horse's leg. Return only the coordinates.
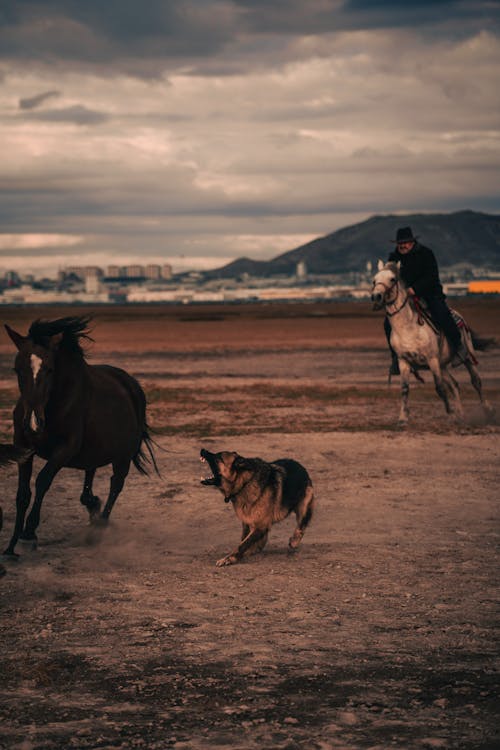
(452, 386)
(476, 382)
(404, 370)
(441, 386)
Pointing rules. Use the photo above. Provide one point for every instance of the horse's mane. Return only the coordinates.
(73, 329)
(393, 266)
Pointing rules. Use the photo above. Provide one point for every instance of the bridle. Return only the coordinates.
(388, 288)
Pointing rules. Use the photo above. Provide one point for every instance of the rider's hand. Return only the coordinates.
(411, 291)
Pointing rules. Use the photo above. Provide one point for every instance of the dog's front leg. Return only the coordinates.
(252, 538)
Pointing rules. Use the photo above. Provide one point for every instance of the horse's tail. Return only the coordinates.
(10, 454)
(482, 344)
(142, 460)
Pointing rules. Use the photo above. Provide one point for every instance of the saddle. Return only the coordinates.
(420, 307)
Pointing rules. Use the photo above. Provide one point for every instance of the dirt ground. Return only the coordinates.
(379, 633)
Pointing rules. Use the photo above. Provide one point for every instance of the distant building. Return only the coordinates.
(134, 271)
(114, 272)
(152, 272)
(84, 272)
(26, 295)
(12, 278)
(92, 284)
(166, 271)
(301, 269)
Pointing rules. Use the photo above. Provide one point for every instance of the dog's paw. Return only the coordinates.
(294, 541)
(227, 560)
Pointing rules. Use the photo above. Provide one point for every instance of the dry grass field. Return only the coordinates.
(379, 633)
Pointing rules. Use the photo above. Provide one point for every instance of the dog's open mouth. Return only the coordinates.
(208, 458)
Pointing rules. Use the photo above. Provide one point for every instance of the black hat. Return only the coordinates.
(404, 234)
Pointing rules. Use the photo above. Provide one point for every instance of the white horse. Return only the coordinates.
(419, 345)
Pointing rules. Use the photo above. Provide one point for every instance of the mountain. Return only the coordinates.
(463, 237)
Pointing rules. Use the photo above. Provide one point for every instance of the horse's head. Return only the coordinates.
(34, 366)
(385, 284)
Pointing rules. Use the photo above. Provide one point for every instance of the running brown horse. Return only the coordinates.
(72, 414)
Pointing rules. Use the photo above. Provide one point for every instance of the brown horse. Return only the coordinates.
(72, 414)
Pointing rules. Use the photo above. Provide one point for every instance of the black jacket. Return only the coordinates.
(419, 270)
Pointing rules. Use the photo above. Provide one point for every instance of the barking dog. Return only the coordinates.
(261, 493)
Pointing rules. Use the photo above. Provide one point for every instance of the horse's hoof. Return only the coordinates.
(29, 542)
(2, 570)
(99, 521)
(10, 555)
(94, 506)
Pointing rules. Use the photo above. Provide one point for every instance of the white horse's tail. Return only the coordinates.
(482, 344)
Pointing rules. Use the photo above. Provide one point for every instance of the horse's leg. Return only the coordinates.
(23, 498)
(404, 370)
(120, 471)
(87, 498)
(476, 382)
(42, 484)
(452, 386)
(439, 383)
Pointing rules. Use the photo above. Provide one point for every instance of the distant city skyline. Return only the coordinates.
(198, 131)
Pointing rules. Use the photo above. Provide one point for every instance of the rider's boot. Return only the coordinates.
(394, 366)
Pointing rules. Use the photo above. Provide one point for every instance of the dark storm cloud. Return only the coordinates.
(446, 16)
(77, 115)
(112, 32)
(210, 127)
(147, 38)
(33, 102)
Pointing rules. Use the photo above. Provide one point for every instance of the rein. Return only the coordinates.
(423, 316)
(386, 303)
(395, 312)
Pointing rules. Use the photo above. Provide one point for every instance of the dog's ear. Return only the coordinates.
(242, 464)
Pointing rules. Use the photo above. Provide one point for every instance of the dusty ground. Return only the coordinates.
(379, 633)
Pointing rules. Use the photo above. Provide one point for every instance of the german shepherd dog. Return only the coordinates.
(261, 493)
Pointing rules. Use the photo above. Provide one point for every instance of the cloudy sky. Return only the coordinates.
(197, 131)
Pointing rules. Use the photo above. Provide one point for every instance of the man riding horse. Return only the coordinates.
(420, 274)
